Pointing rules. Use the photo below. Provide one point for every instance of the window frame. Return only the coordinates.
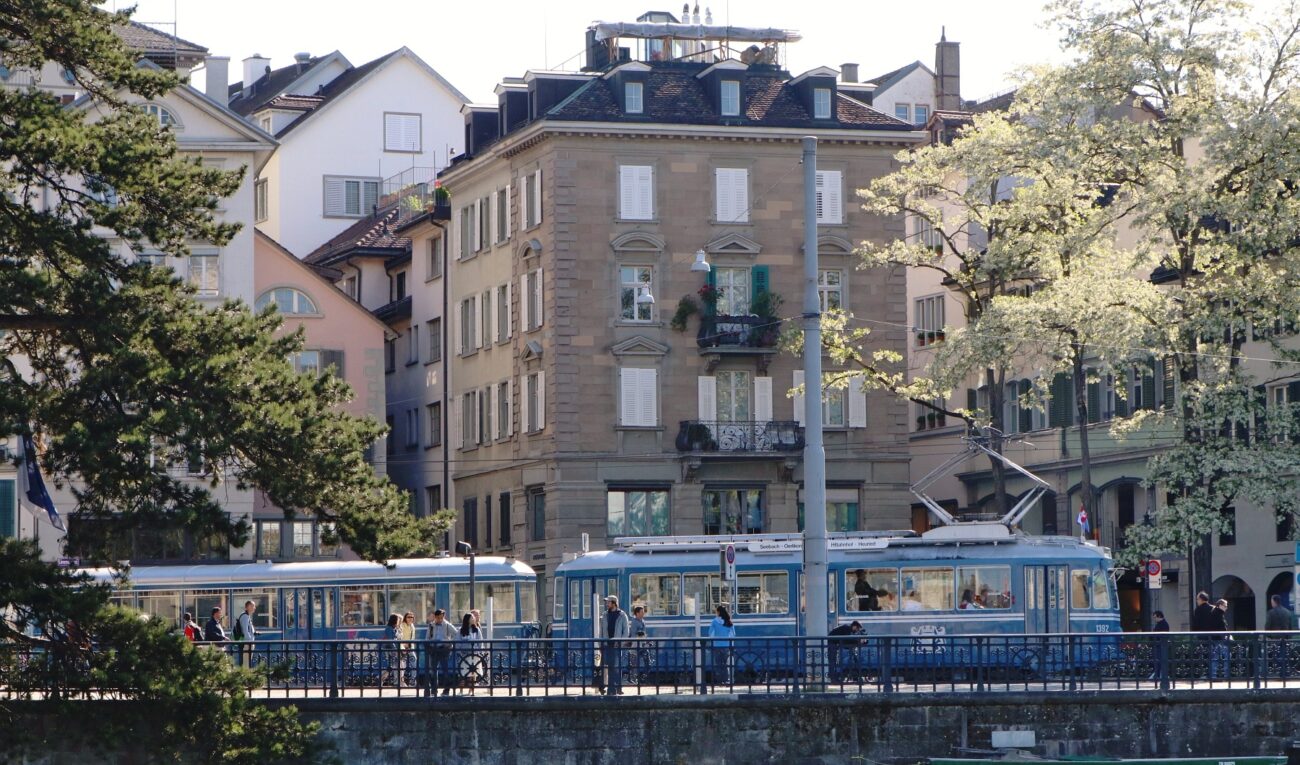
(419, 133)
(261, 200)
(823, 99)
(903, 112)
(363, 182)
(631, 105)
(650, 526)
(648, 271)
(825, 290)
(727, 105)
(209, 273)
(744, 525)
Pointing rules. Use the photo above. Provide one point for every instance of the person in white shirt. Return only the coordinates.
(442, 636)
(246, 633)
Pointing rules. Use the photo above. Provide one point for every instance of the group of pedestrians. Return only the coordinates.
(455, 657)
(619, 633)
(243, 633)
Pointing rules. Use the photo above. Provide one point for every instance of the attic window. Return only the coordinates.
(822, 103)
(165, 118)
(633, 98)
(730, 98)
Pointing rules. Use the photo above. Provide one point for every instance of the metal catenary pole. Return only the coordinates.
(814, 453)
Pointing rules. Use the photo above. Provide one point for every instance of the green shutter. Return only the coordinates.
(972, 399)
(1149, 387)
(759, 277)
(1094, 402)
(1168, 374)
(1121, 402)
(1062, 401)
(8, 509)
(1026, 413)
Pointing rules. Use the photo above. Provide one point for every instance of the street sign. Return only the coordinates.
(1153, 574)
(727, 563)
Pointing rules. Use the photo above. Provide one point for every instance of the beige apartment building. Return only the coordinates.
(581, 204)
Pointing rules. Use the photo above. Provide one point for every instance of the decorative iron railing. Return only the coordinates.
(740, 437)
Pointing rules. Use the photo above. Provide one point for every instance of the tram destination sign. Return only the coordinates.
(795, 545)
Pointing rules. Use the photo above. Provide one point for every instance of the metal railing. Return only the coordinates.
(717, 330)
(746, 436)
(975, 664)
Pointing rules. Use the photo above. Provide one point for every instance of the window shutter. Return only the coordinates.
(763, 399)
(761, 279)
(476, 320)
(1094, 402)
(645, 189)
(334, 358)
(1149, 387)
(369, 197)
(510, 407)
(486, 312)
(732, 190)
(335, 196)
(523, 204)
(524, 404)
(476, 226)
(857, 397)
(494, 432)
(1169, 375)
(536, 198)
(541, 400)
(707, 406)
(1026, 413)
(510, 310)
(537, 295)
(493, 212)
(628, 391)
(8, 509)
(506, 212)
(798, 397)
(456, 423)
(523, 303)
(1062, 401)
(455, 319)
(627, 197)
(648, 397)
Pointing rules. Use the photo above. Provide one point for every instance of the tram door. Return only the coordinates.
(1045, 604)
(587, 604)
(309, 613)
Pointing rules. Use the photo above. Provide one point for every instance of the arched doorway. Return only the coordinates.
(1241, 601)
(1281, 585)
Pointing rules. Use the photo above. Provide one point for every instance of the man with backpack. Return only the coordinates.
(213, 632)
(246, 633)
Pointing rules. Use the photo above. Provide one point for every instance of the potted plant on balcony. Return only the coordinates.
(709, 296)
(686, 308)
(441, 205)
(766, 306)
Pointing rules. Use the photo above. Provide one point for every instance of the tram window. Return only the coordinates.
(871, 589)
(418, 600)
(927, 589)
(1079, 586)
(164, 605)
(765, 593)
(124, 600)
(361, 607)
(268, 606)
(1100, 591)
(701, 594)
(527, 601)
(575, 599)
(503, 600)
(984, 587)
(659, 593)
(201, 602)
(559, 598)
(322, 607)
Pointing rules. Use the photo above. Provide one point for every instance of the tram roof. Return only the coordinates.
(314, 571)
(852, 549)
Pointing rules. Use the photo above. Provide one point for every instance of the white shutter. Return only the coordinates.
(494, 432)
(456, 425)
(537, 198)
(523, 303)
(541, 400)
(476, 324)
(485, 311)
(523, 404)
(830, 204)
(506, 212)
(510, 407)
(537, 295)
(798, 397)
(646, 193)
(335, 197)
(454, 326)
(732, 195)
(648, 397)
(476, 227)
(763, 399)
(402, 132)
(493, 212)
(510, 310)
(628, 385)
(708, 398)
(636, 192)
(627, 199)
(857, 403)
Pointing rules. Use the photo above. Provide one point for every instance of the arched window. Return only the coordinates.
(165, 117)
(287, 301)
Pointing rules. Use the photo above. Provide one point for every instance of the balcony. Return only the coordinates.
(745, 334)
(415, 192)
(715, 436)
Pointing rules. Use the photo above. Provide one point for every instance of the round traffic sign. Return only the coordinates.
(1153, 568)
(731, 553)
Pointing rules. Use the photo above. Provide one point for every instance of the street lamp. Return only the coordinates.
(701, 262)
(643, 296)
(467, 550)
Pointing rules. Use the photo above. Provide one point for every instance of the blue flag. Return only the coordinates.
(36, 493)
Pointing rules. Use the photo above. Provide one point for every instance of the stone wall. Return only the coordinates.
(722, 730)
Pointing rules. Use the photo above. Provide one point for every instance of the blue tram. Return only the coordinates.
(317, 600)
(928, 589)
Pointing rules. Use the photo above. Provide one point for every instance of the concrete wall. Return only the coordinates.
(721, 730)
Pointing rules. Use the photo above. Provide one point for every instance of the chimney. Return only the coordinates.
(218, 78)
(848, 72)
(255, 66)
(301, 60)
(947, 67)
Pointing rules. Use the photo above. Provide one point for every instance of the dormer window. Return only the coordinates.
(729, 99)
(822, 103)
(633, 98)
(165, 118)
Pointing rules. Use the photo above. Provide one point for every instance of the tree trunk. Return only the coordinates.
(1085, 458)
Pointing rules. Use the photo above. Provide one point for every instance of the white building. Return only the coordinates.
(348, 136)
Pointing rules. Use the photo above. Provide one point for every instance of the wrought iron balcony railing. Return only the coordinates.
(773, 436)
(738, 332)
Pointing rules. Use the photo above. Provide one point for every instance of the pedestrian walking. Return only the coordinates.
(246, 633)
(213, 632)
(617, 627)
(722, 632)
(190, 628)
(471, 663)
(639, 658)
(442, 638)
(1160, 654)
(408, 659)
(391, 652)
(1220, 642)
(1279, 618)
